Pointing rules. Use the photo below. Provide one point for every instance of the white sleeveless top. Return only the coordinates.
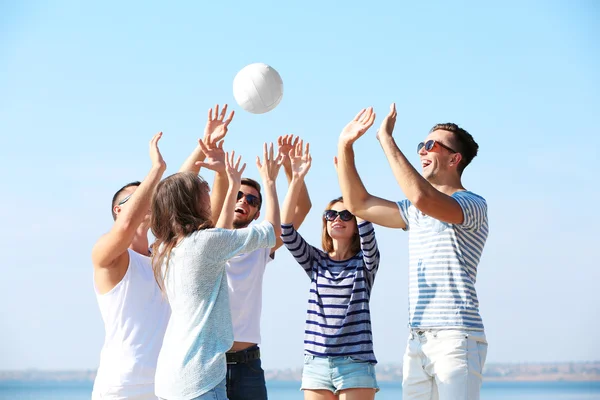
(135, 316)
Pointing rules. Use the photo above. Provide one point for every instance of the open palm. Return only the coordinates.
(155, 156)
(358, 126)
(233, 169)
(388, 123)
(216, 125)
(285, 144)
(215, 157)
(270, 166)
(300, 160)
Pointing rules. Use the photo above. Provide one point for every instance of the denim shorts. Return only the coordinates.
(337, 373)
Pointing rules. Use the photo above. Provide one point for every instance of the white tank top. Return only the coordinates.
(135, 315)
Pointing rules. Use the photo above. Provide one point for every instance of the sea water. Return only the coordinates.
(19, 390)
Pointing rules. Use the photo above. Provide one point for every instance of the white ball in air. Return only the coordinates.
(258, 88)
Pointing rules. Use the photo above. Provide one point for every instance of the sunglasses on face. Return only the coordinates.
(251, 199)
(331, 215)
(430, 144)
(124, 200)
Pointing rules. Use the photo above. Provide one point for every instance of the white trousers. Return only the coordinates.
(131, 392)
(445, 364)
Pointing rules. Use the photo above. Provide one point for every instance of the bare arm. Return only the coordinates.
(268, 172)
(190, 163)
(300, 161)
(234, 175)
(215, 161)
(303, 203)
(418, 191)
(113, 245)
(360, 202)
(215, 130)
(209, 153)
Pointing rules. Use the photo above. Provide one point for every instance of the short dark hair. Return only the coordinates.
(253, 184)
(463, 143)
(117, 197)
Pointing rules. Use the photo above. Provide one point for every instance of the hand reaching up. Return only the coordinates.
(270, 166)
(215, 157)
(388, 123)
(155, 156)
(286, 143)
(216, 125)
(300, 160)
(358, 126)
(233, 169)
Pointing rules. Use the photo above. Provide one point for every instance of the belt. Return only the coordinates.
(243, 356)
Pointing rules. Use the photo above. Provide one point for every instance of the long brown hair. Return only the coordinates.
(177, 211)
(327, 241)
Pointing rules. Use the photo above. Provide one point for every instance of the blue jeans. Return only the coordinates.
(246, 381)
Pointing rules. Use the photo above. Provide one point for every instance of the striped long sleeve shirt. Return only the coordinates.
(338, 321)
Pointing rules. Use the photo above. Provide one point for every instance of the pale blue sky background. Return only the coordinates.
(84, 86)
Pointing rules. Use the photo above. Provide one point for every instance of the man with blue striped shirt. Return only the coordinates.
(448, 228)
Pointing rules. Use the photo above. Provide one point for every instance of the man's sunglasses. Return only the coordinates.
(251, 199)
(124, 200)
(331, 215)
(430, 144)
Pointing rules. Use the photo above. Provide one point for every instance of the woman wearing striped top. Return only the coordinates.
(338, 345)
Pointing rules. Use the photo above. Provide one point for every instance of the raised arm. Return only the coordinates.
(303, 205)
(269, 169)
(234, 175)
(360, 202)
(305, 254)
(112, 247)
(217, 126)
(300, 162)
(418, 191)
(215, 161)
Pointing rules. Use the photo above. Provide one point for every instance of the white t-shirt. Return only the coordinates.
(245, 278)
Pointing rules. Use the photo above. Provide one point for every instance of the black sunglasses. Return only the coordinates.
(331, 215)
(124, 200)
(430, 145)
(251, 199)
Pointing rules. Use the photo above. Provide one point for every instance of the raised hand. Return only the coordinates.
(216, 125)
(388, 123)
(286, 143)
(215, 157)
(233, 169)
(300, 161)
(155, 156)
(358, 126)
(271, 165)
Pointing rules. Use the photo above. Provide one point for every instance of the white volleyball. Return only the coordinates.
(258, 88)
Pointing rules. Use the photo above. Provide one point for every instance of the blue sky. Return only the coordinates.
(84, 86)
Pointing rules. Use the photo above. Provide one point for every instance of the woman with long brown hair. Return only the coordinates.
(189, 264)
(338, 343)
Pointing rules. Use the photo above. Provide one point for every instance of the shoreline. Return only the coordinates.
(494, 372)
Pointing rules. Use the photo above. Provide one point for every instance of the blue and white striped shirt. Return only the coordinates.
(443, 265)
(338, 319)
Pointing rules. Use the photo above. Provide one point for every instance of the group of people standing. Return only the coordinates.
(182, 314)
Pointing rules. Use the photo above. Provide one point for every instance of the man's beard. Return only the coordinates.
(240, 224)
(243, 223)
